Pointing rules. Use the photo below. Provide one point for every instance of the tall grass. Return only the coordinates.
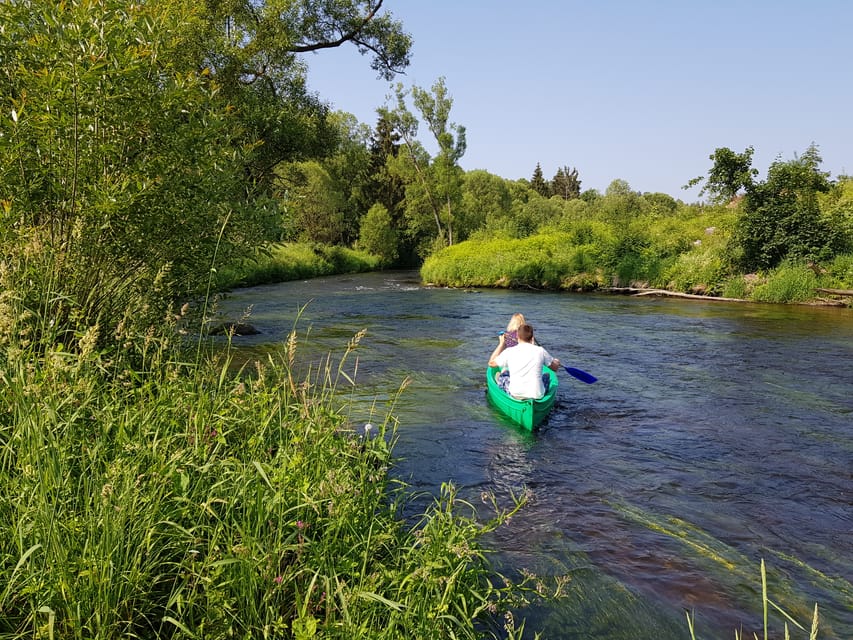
(294, 261)
(194, 501)
(790, 282)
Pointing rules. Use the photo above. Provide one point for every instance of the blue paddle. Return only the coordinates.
(583, 376)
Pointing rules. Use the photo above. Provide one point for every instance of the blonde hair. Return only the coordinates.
(515, 322)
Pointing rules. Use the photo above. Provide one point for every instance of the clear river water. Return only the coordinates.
(718, 434)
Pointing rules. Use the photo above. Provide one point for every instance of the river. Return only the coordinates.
(718, 434)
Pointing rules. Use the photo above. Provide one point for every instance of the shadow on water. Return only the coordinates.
(718, 434)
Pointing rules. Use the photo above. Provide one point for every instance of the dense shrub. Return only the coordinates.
(790, 282)
(699, 271)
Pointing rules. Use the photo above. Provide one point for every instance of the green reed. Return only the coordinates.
(182, 500)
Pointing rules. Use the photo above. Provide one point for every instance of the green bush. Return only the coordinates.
(839, 272)
(118, 170)
(736, 287)
(699, 271)
(377, 235)
(541, 261)
(790, 282)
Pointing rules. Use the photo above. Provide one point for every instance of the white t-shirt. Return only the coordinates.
(525, 362)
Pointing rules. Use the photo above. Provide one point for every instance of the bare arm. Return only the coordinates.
(501, 346)
(555, 364)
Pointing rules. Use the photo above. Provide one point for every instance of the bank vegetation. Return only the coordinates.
(154, 153)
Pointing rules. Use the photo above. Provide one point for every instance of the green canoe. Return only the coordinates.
(525, 413)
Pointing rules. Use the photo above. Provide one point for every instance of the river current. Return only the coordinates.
(718, 434)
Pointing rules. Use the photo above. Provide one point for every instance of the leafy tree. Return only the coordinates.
(730, 173)
(117, 169)
(486, 200)
(590, 195)
(565, 183)
(620, 204)
(837, 210)
(660, 204)
(349, 168)
(537, 212)
(782, 219)
(252, 46)
(377, 234)
(434, 107)
(386, 185)
(538, 183)
(313, 202)
(619, 188)
(383, 187)
(143, 138)
(433, 185)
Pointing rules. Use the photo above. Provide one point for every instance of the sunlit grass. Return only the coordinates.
(294, 261)
(191, 501)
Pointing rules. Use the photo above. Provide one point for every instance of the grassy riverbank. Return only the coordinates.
(295, 261)
(170, 498)
(592, 258)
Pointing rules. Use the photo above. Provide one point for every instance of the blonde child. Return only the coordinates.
(509, 338)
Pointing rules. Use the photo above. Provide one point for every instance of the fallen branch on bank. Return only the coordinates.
(634, 291)
(836, 292)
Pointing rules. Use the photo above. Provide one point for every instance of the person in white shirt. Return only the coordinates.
(524, 363)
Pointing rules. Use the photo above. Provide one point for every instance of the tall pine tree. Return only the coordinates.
(566, 184)
(538, 183)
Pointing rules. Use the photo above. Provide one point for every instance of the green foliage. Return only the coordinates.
(730, 173)
(565, 184)
(349, 169)
(539, 184)
(836, 208)
(632, 257)
(661, 204)
(782, 218)
(736, 286)
(790, 282)
(378, 235)
(179, 500)
(620, 204)
(313, 201)
(433, 185)
(486, 200)
(839, 272)
(294, 261)
(251, 47)
(117, 170)
(541, 262)
(535, 213)
(700, 271)
(684, 249)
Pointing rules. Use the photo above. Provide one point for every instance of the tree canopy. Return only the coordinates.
(139, 141)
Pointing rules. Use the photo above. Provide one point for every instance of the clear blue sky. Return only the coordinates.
(639, 91)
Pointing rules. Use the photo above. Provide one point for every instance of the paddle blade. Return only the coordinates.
(583, 376)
